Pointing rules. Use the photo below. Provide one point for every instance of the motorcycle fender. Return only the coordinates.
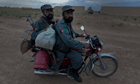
(103, 55)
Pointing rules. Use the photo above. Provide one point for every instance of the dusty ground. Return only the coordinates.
(123, 41)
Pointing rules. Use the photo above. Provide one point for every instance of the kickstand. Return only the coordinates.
(33, 57)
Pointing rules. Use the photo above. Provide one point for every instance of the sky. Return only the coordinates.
(95, 4)
(54, 1)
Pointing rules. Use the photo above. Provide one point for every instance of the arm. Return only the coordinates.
(67, 38)
(36, 30)
(37, 25)
(41, 25)
(77, 34)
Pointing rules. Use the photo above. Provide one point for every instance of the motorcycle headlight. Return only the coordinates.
(96, 42)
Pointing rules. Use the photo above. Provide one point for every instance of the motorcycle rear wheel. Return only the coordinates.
(111, 65)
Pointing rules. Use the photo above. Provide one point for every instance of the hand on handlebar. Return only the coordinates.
(87, 36)
(82, 35)
(87, 45)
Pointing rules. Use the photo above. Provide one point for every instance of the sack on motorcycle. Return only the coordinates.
(24, 46)
(46, 39)
(41, 60)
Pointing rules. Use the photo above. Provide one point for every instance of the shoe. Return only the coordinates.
(75, 75)
(54, 70)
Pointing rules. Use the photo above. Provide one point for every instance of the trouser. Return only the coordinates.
(76, 59)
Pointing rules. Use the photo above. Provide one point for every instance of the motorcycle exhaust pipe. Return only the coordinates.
(49, 73)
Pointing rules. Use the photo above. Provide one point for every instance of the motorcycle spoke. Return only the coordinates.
(108, 70)
(102, 71)
(110, 66)
(97, 65)
(108, 60)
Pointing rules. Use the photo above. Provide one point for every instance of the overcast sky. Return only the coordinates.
(95, 4)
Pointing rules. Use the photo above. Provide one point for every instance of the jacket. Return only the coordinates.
(65, 38)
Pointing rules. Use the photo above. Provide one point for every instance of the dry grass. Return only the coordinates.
(78, 23)
(19, 13)
(57, 14)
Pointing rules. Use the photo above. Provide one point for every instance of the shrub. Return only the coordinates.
(114, 16)
(119, 16)
(78, 23)
(139, 18)
(120, 24)
(105, 17)
(125, 18)
(135, 18)
(112, 24)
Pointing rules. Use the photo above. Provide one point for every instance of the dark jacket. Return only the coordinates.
(65, 40)
(41, 25)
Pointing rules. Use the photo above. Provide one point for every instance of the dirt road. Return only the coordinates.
(123, 41)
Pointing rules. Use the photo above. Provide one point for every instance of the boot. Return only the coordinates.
(75, 75)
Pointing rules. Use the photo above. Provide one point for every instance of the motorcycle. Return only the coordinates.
(100, 64)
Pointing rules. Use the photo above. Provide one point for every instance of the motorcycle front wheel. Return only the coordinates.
(110, 66)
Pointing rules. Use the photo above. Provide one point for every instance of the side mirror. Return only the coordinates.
(82, 28)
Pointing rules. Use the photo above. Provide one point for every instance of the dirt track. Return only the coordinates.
(123, 41)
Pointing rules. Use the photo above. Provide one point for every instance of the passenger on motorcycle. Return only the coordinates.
(65, 42)
(42, 23)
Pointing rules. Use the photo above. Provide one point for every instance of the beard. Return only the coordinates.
(68, 20)
(50, 17)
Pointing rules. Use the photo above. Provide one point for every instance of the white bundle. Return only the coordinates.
(46, 39)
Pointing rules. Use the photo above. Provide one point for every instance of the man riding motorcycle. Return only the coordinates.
(42, 23)
(65, 42)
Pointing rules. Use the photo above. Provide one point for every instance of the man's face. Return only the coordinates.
(68, 16)
(49, 13)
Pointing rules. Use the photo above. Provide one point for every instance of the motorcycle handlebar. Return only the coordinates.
(87, 37)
